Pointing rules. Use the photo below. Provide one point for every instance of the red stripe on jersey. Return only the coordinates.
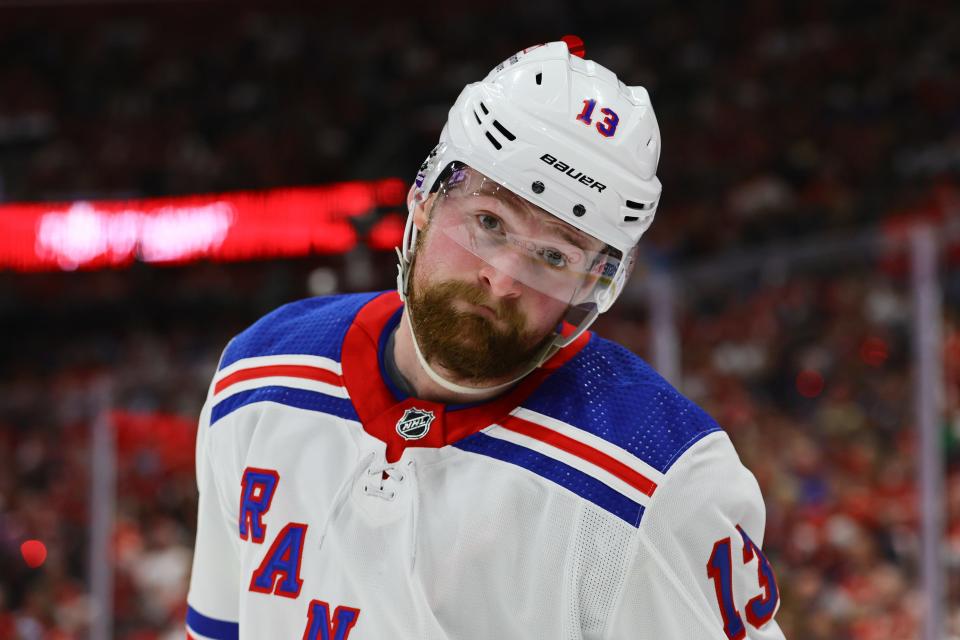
(538, 432)
(286, 370)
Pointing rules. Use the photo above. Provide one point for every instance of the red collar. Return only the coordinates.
(379, 410)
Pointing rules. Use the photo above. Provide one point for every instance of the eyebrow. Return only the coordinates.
(569, 235)
(564, 230)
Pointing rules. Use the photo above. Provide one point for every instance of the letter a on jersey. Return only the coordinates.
(279, 573)
(321, 627)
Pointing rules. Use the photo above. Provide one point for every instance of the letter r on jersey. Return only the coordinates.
(256, 494)
(321, 627)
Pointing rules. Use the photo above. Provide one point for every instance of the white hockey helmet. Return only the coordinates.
(566, 135)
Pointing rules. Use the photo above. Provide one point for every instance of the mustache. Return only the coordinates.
(472, 346)
(475, 295)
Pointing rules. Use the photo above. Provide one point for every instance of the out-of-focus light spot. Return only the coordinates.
(167, 234)
(388, 232)
(322, 281)
(34, 553)
(809, 384)
(874, 351)
(392, 191)
(243, 225)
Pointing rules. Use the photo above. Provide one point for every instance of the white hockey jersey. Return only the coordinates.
(591, 501)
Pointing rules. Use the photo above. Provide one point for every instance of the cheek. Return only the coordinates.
(440, 258)
(542, 312)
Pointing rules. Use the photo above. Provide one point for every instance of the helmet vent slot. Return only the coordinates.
(484, 108)
(476, 116)
(642, 206)
(539, 78)
(630, 218)
(502, 129)
(493, 141)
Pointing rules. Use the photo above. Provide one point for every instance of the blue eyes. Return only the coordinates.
(488, 222)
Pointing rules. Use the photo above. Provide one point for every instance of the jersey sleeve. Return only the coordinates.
(698, 569)
(213, 598)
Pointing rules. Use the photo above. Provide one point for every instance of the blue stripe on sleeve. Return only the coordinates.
(299, 398)
(211, 627)
(561, 473)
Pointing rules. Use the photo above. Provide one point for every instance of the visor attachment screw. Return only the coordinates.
(537, 187)
(579, 210)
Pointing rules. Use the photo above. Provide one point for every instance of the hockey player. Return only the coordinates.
(462, 459)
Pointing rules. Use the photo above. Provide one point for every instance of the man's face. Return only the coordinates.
(492, 278)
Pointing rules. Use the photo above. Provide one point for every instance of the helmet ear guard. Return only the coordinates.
(429, 177)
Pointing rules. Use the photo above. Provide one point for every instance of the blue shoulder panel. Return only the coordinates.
(315, 326)
(612, 393)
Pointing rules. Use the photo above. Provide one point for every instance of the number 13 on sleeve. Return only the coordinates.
(720, 569)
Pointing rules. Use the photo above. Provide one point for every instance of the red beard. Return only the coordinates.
(473, 347)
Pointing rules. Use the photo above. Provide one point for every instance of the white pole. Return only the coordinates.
(928, 368)
(102, 508)
(663, 326)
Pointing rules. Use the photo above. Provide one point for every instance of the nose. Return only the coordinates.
(498, 283)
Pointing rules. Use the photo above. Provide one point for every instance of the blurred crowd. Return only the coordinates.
(789, 121)
(810, 372)
(112, 346)
(813, 379)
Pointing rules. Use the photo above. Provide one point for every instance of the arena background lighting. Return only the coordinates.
(237, 226)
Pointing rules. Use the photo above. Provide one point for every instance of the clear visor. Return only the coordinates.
(522, 241)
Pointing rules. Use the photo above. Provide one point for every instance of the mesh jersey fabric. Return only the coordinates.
(315, 326)
(604, 390)
(568, 518)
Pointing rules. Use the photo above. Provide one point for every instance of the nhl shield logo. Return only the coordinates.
(414, 424)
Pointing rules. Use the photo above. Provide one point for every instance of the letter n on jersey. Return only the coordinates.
(321, 627)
